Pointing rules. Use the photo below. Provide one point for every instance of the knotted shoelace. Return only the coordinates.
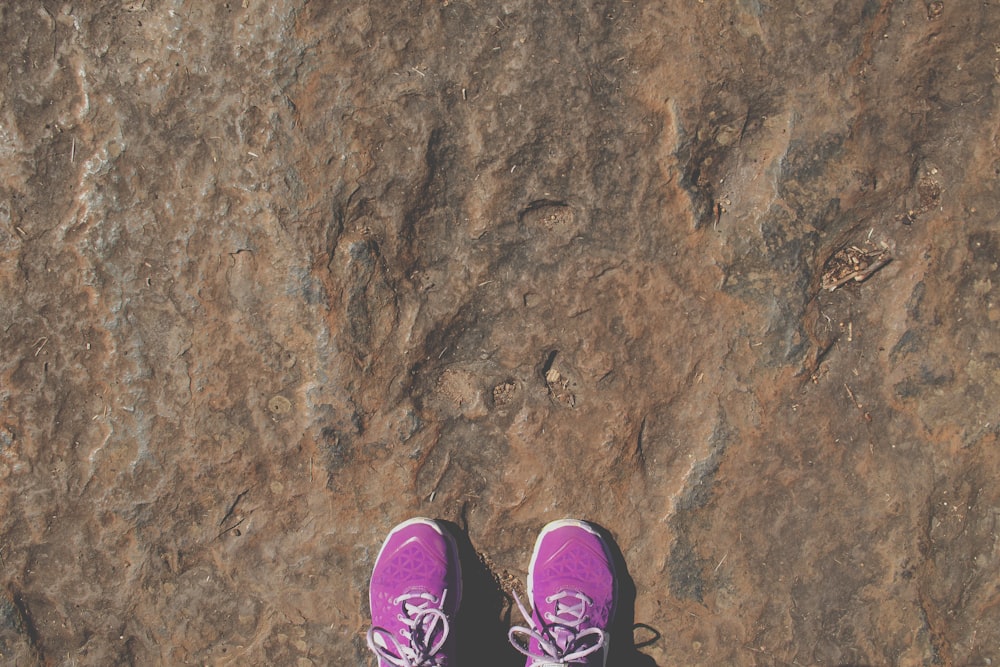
(558, 634)
(422, 619)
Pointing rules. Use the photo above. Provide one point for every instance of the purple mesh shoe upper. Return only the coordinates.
(571, 583)
(415, 592)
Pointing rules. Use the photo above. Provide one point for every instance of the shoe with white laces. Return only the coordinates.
(415, 591)
(572, 589)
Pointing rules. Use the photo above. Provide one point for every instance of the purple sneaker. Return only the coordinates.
(415, 591)
(571, 584)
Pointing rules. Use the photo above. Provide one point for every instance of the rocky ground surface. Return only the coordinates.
(278, 275)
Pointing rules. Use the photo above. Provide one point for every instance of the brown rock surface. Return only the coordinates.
(276, 276)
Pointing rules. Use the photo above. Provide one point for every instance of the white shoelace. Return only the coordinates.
(421, 617)
(559, 635)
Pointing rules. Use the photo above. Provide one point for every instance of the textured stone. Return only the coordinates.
(279, 275)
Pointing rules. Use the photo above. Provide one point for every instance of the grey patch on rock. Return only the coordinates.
(371, 298)
(698, 490)
(10, 619)
(684, 570)
(15, 618)
(335, 447)
(926, 379)
(912, 341)
(408, 425)
(685, 566)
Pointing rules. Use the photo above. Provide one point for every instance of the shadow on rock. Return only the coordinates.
(624, 650)
(481, 623)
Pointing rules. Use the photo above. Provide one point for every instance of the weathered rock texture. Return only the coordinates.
(277, 275)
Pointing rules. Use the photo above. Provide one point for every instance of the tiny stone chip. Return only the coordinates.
(503, 393)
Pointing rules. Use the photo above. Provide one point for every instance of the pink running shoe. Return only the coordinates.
(571, 584)
(415, 591)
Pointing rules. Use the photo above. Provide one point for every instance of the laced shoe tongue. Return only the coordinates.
(426, 624)
(564, 640)
(564, 621)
